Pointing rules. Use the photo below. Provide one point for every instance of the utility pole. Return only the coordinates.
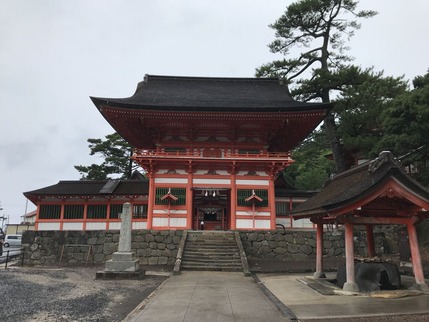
(3, 219)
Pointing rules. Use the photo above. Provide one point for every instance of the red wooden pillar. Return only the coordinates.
(233, 201)
(150, 201)
(415, 256)
(189, 198)
(319, 252)
(62, 214)
(350, 285)
(36, 223)
(370, 240)
(272, 203)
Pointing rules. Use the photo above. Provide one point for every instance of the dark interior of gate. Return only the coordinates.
(211, 208)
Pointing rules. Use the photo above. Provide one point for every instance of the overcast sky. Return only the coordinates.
(55, 54)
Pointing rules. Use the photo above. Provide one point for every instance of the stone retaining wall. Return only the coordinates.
(296, 244)
(289, 245)
(155, 247)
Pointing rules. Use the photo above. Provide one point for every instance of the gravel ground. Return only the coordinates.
(69, 294)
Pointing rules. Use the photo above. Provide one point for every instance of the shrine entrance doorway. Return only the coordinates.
(211, 206)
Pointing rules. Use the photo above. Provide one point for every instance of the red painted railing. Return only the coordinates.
(199, 154)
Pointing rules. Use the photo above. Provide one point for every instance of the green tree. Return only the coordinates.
(359, 109)
(116, 154)
(406, 127)
(311, 168)
(320, 27)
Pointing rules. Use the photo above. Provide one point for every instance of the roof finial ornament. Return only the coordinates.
(384, 156)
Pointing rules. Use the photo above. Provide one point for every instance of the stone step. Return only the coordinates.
(201, 239)
(226, 261)
(212, 255)
(211, 268)
(203, 252)
(209, 236)
(215, 251)
(221, 264)
(208, 241)
(212, 246)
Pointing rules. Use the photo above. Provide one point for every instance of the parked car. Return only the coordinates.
(12, 240)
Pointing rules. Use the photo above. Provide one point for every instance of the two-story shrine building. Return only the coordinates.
(212, 149)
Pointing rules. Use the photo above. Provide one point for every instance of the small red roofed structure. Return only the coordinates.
(378, 192)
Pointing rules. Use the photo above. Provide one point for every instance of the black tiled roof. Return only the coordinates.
(210, 94)
(283, 188)
(358, 183)
(92, 188)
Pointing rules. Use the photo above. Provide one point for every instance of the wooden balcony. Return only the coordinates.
(200, 154)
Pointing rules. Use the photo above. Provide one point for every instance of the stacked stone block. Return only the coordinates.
(152, 247)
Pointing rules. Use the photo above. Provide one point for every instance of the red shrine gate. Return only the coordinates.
(208, 144)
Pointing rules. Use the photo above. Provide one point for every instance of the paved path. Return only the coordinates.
(307, 303)
(208, 296)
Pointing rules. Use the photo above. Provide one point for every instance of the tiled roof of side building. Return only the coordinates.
(357, 183)
(211, 94)
(92, 187)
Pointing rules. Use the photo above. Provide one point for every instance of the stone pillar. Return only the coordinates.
(319, 252)
(126, 227)
(350, 285)
(123, 264)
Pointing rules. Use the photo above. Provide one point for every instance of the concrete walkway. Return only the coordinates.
(306, 303)
(208, 296)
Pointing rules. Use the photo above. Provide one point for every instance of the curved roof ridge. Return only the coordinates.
(215, 78)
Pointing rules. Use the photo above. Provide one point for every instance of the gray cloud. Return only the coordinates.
(55, 54)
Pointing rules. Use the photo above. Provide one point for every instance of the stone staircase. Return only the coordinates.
(211, 251)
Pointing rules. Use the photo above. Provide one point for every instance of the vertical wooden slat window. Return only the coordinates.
(140, 211)
(96, 212)
(73, 211)
(115, 210)
(180, 193)
(282, 208)
(243, 194)
(50, 212)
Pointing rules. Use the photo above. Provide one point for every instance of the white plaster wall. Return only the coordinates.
(248, 224)
(244, 223)
(252, 182)
(250, 213)
(302, 223)
(262, 224)
(73, 226)
(139, 225)
(114, 226)
(159, 222)
(171, 180)
(177, 222)
(96, 226)
(211, 181)
(49, 226)
(172, 211)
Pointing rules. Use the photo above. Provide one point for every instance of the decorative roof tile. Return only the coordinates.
(210, 94)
